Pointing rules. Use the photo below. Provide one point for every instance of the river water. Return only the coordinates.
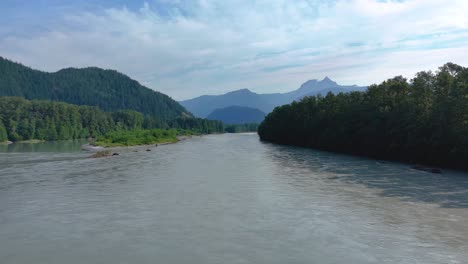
(226, 199)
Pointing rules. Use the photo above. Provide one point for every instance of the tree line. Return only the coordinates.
(107, 89)
(240, 128)
(424, 120)
(137, 137)
(21, 119)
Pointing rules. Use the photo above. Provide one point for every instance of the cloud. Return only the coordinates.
(188, 48)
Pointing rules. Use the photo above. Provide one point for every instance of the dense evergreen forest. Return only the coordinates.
(422, 121)
(107, 89)
(21, 119)
(241, 128)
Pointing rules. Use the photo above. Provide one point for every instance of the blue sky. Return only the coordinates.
(188, 48)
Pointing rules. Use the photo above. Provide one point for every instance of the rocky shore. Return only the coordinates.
(115, 151)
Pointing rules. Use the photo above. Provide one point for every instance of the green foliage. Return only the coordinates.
(424, 121)
(198, 125)
(187, 132)
(3, 132)
(46, 120)
(107, 89)
(128, 119)
(136, 137)
(240, 128)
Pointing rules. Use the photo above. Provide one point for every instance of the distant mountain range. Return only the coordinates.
(237, 115)
(204, 105)
(107, 89)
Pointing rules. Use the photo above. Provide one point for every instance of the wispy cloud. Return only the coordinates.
(188, 48)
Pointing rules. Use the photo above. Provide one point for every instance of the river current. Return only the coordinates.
(225, 199)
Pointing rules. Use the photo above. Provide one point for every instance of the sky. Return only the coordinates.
(189, 48)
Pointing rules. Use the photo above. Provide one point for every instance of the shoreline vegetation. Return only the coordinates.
(424, 121)
(137, 137)
(24, 120)
(114, 143)
(30, 141)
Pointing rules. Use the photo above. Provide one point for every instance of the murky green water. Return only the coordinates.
(226, 199)
(56, 146)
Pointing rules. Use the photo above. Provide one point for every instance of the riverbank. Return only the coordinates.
(138, 137)
(31, 141)
(101, 151)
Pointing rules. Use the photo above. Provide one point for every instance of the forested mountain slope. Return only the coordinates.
(107, 89)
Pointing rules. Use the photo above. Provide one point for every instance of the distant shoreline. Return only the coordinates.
(93, 148)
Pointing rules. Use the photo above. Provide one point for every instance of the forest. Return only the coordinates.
(241, 128)
(21, 119)
(424, 120)
(107, 89)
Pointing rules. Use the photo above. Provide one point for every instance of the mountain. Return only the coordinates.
(107, 89)
(314, 87)
(237, 115)
(202, 106)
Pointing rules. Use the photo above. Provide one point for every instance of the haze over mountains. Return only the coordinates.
(111, 91)
(237, 115)
(204, 105)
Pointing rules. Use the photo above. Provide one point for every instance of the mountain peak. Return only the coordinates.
(327, 80)
(313, 81)
(241, 91)
(308, 84)
(203, 106)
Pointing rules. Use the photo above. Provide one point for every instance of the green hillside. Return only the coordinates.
(107, 89)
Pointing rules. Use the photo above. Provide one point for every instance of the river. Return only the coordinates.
(226, 199)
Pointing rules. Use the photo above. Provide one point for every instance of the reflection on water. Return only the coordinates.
(54, 146)
(449, 189)
(227, 199)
